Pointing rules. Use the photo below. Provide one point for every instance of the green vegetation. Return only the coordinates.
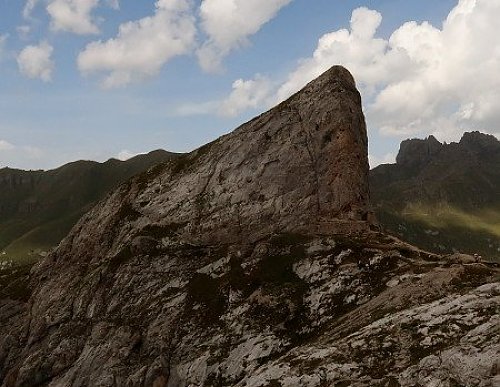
(444, 216)
(40, 239)
(39, 208)
(445, 229)
(443, 197)
(14, 282)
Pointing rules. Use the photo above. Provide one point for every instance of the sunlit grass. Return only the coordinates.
(445, 216)
(39, 240)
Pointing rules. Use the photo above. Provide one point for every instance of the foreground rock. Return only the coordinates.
(250, 262)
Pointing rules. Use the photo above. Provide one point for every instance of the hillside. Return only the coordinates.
(38, 208)
(252, 261)
(443, 197)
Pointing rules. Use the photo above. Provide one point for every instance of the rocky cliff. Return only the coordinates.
(416, 152)
(250, 262)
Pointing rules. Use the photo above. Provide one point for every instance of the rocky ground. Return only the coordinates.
(293, 310)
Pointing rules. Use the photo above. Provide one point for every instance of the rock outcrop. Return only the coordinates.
(417, 153)
(250, 262)
(477, 142)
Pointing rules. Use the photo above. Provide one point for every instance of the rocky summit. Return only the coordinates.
(252, 262)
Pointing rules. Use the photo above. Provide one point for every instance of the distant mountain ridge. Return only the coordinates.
(38, 208)
(443, 197)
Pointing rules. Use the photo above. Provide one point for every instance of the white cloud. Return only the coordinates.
(455, 85)
(229, 23)
(245, 95)
(73, 16)
(125, 154)
(29, 6)
(365, 55)
(142, 47)
(388, 158)
(422, 79)
(6, 146)
(35, 61)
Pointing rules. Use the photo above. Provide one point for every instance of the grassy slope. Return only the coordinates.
(41, 238)
(450, 203)
(445, 229)
(37, 209)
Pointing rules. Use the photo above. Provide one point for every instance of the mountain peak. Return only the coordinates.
(301, 163)
(479, 142)
(415, 152)
(418, 152)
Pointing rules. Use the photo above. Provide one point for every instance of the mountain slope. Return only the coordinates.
(251, 262)
(443, 197)
(38, 208)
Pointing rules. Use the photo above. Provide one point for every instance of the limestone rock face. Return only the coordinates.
(295, 168)
(249, 263)
(301, 163)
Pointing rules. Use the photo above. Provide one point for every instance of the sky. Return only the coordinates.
(94, 79)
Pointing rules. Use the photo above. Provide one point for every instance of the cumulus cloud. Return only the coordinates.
(229, 23)
(368, 57)
(142, 47)
(35, 61)
(246, 95)
(73, 16)
(422, 79)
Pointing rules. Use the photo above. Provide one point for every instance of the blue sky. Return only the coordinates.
(94, 79)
